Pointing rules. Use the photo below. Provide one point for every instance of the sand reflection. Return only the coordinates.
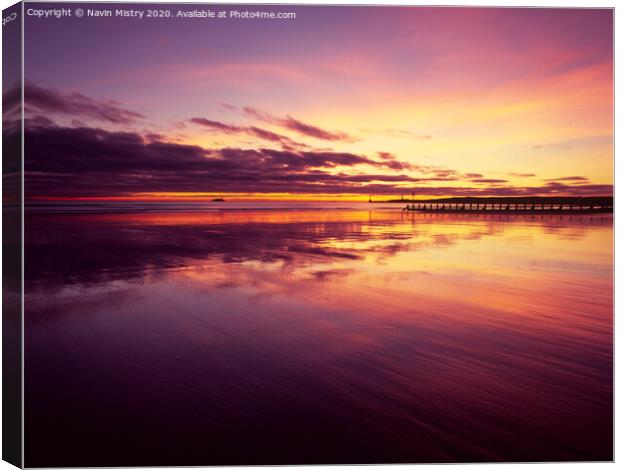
(318, 336)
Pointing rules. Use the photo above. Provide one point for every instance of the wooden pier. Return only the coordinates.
(513, 205)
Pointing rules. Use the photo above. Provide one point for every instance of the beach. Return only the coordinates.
(301, 335)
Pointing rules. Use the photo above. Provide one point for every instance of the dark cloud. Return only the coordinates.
(312, 131)
(48, 101)
(331, 274)
(82, 161)
(386, 156)
(488, 180)
(248, 130)
(569, 178)
(297, 126)
(550, 189)
(523, 175)
(556, 188)
(87, 161)
(216, 125)
(268, 135)
(390, 160)
(387, 160)
(442, 173)
(397, 165)
(153, 137)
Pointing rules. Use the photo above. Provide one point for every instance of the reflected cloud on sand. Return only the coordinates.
(320, 336)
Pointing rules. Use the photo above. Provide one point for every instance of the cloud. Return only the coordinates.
(87, 161)
(298, 126)
(523, 175)
(444, 173)
(387, 160)
(70, 162)
(569, 178)
(390, 160)
(555, 188)
(227, 106)
(312, 131)
(216, 125)
(488, 180)
(249, 130)
(48, 101)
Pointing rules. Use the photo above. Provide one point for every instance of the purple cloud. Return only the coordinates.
(86, 161)
(488, 180)
(248, 130)
(297, 126)
(48, 101)
(569, 178)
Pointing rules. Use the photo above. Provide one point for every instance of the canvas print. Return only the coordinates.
(316, 234)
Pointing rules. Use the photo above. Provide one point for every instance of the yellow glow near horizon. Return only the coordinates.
(231, 197)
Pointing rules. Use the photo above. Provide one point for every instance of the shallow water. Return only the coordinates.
(317, 336)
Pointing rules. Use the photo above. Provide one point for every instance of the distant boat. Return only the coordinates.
(217, 199)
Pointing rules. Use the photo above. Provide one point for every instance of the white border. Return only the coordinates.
(504, 3)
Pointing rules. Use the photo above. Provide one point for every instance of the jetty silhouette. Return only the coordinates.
(547, 204)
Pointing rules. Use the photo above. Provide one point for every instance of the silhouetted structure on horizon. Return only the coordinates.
(560, 205)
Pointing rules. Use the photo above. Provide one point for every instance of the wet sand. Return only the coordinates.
(299, 337)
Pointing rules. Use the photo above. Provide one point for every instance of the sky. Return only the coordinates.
(337, 103)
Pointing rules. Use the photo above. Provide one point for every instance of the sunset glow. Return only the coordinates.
(283, 235)
(450, 102)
